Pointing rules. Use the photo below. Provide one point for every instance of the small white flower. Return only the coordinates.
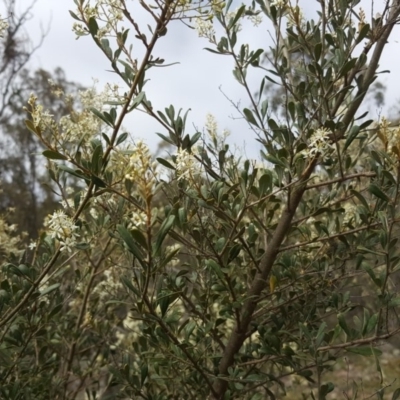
(350, 213)
(205, 29)
(12, 228)
(3, 26)
(211, 125)
(295, 17)
(319, 143)
(67, 204)
(93, 212)
(256, 20)
(278, 3)
(67, 243)
(141, 168)
(187, 167)
(139, 218)
(62, 227)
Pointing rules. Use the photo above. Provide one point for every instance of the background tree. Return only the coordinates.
(21, 174)
(25, 184)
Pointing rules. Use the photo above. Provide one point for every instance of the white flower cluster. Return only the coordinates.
(138, 218)
(389, 135)
(130, 333)
(187, 166)
(350, 214)
(40, 117)
(182, 7)
(256, 20)
(205, 29)
(77, 126)
(3, 26)
(109, 285)
(212, 130)
(319, 144)
(141, 167)
(108, 12)
(211, 125)
(217, 6)
(55, 89)
(295, 17)
(85, 124)
(9, 241)
(278, 3)
(62, 227)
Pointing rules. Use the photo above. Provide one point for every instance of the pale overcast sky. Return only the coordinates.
(194, 83)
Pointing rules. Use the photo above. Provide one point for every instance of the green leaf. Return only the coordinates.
(29, 124)
(376, 191)
(106, 138)
(343, 323)
(55, 311)
(363, 33)
(74, 16)
(216, 268)
(265, 184)
(165, 227)
(361, 198)
(82, 246)
(372, 275)
(139, 237)
(137, 100)
(271, 80)
(354, 131)
(25, 270)
(366, 351)
(307, 374)
(130, 243)
(144, 370)
(195, 138)
(128, 284)
(121, 138)
(93, 27)
(97, 158)
(49, 289)
(329, 39)
(212, 51)
(273, 125)
(78, 173)
(254, 59)
(100, 115)
(348, 66)
(396, 394)
(235, 19)
(371, 324)
(166, 163)
(163, 137)
(54, 155)
(98, 181)
(273, 160)
(105, 44)
(317, 51)
(325, 389)
(320, 335)
(250, 117)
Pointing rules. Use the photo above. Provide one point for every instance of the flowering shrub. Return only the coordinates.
(201, 275)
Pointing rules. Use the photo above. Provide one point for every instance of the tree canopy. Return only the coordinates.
(200, 274)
